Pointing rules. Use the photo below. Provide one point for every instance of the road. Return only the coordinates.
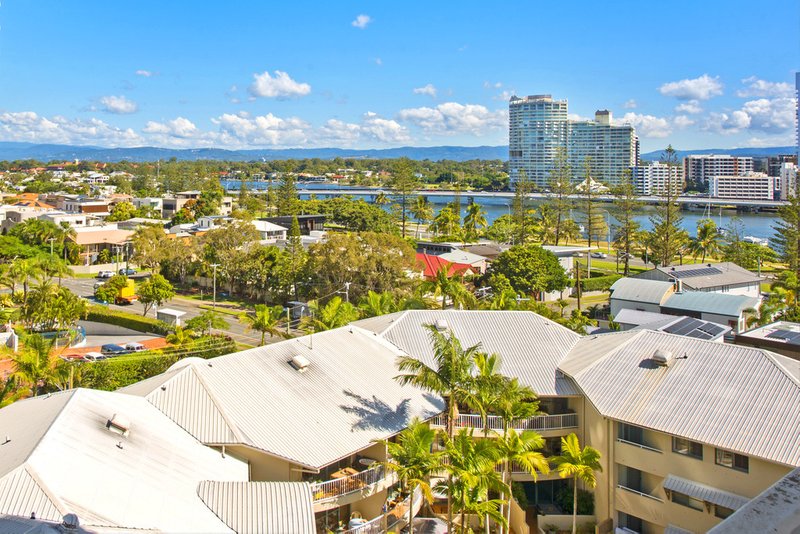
(84, 287)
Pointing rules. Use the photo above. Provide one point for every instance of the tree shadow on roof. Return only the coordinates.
(375, 414)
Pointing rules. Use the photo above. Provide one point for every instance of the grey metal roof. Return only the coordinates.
(341, 403)
(10, 524)
(146, 480)
(708, 302)
(776, 510)
(261, 507)
(733, 397)
(530, 346)
(637, 290)
(700, 276)
(378, 323)
(628, 316)
(704, 492)
(672, 529)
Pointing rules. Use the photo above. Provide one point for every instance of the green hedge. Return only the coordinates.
(102, 314)
(123, 371)
(601, 283)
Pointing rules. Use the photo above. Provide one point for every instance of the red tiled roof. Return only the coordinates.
(430, 265)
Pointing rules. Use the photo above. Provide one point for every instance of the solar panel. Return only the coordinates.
(712, 329)
(683, 326)
(788, 336)
(695, 328)
(691, 273)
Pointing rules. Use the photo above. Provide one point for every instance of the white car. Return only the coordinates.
(599, 255)
(105, 274)
(94, 357)
(134, 347)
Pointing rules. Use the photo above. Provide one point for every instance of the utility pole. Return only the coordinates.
(578, 282)
(214, 302)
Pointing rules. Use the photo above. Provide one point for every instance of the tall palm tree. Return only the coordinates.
(523, 450)
(422, 211)
(449, 376)
(445, 286)
(579, 464)
(375, 304)
(707, 241)
(265, 319)
(411, 457)
(487, 388)
(474, 220)
(23, 271)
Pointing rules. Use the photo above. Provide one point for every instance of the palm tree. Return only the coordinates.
(334, 314)
(422, 211)
(381, 199)
(37, 367)
(265, 320)
(707, 242)
(181, 336)
(23, 270)
(375, 304)
(474, 220)
(523, 450)
(579, 464)
(10, 392)
(450, 377)
(487, 388)
(411, 457)
(443, 285)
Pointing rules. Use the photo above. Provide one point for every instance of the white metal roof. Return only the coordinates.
(644, 291)
(72, 463)
(732, 397)
(530, 346)
(704, 492)
(261, 507)
(776, 510)
(709, 302)
(341, 403)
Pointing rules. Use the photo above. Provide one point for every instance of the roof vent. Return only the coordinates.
(440, 325)
(119, 424)
(70, 523)
(300, 363)
(661, 357)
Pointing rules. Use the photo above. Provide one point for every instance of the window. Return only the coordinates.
(631, 433)
(722, 512)
(730, 459)
(687, 447)
(689, 502)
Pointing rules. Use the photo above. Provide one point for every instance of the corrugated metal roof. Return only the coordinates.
(378, 323)
(261, 507)
(775, 510)
(637, 317)
(672, 529)
(530, 346)
(708, 302)
(341, 403)
(25, 525)
(637, 290)
(704, 492)
(733, 397)
(145, 480)
(728, 274)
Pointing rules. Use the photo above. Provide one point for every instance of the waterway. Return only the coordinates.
(758, 225)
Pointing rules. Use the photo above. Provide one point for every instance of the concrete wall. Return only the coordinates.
(616, 305)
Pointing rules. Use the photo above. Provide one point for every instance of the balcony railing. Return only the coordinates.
(637, 492)
(331, 489)
(640, 445)
(392, 517)
(495, 422)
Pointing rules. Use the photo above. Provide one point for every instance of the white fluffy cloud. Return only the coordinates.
(682, 121)
(145, 73)
(727, 123)
(243, 130)
(361, 21)
(630, 104)
(755, 87)
(647, 125)
(690, 106)
(701, 88)
(453, 118)
(371, 128)
(119, 105)
(428, 89)
(767, 115)
(281, 86)
(29, 126)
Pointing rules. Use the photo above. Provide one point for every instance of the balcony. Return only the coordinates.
(351, 488)
(394, 519)
(537, 422)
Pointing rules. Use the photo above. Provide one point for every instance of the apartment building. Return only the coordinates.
(655, 177)
(688, 429)
(786, 182)
(539, 129)
(699, 168)
(748, 186)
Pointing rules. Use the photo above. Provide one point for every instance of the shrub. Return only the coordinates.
(101, 314)
(601, 283)
(585, 501)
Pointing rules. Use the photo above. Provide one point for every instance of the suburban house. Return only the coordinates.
(681, 325)
(667, 298)
(307, 223)
(94, 239)
(288, 435)
(430, 265)
(782, 337)
(726, 277)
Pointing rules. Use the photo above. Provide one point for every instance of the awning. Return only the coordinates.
(705, 493)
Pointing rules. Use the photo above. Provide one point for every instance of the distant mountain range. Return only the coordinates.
(45, 152)
(17, 151)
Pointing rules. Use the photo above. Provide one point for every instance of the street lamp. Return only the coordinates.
(214, 302)
(51, 245)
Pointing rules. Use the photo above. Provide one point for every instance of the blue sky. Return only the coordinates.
(378, 74)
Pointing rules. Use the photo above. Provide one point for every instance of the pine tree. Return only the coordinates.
(561, 189)
(404, 185)
(667, 239)
(787, 238)
(520, 206)
(286, 199)
(626, 205)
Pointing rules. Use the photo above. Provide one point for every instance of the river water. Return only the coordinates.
(759, 225)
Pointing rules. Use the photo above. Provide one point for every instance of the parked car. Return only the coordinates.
(98, 284)
(599, 255)
(105, 274)
(94, 357)
(134, 347)
(110, 349)
(72, 357)
(127, 272)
